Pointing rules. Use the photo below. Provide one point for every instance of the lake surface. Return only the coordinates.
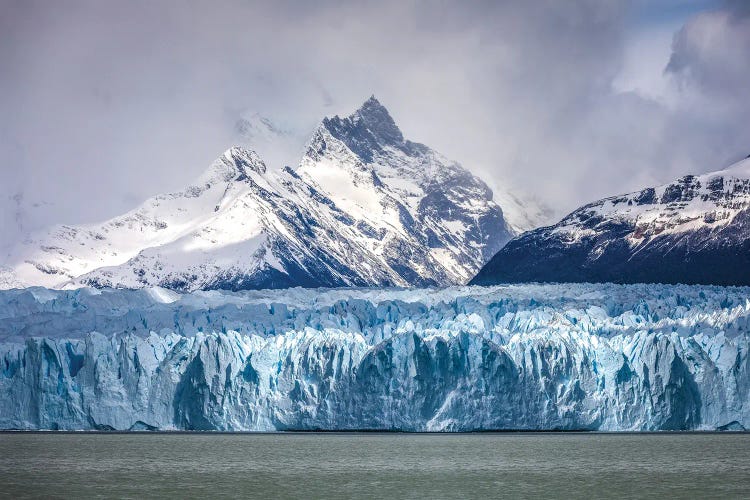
(369, 465)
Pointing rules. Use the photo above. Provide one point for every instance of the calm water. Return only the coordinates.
(375, 465)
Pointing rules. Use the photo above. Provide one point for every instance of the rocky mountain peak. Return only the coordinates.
(364, 208)
(378, 121)
(367, 130)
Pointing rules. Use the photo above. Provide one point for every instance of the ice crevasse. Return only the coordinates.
(569, 357)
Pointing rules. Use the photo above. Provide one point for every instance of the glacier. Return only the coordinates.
(521, 357)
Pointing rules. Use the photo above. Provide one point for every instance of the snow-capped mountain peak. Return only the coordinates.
(370, 131)
(363, 161)
(365, 207)
(371, 125)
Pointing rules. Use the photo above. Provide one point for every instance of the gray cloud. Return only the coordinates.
(709, 67)
(106, 103)
(711, 53)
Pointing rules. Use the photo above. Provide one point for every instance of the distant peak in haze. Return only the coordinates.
(273, 139)
(254, 126)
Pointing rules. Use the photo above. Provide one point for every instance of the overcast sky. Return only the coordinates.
(105, 103)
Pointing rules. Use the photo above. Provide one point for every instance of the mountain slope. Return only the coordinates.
(365, 207)
(695, 230)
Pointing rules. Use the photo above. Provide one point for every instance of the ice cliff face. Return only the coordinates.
(608, 357)
(364, 207)
(693, 230)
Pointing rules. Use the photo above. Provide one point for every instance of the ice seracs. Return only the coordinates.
(549, 357)
(364, 207)
(693, 230)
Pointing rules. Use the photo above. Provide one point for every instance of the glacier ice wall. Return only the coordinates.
(607, 357)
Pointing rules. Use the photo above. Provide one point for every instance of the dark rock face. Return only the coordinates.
(698, 232)
(701, 257)
(367, 130)
(370, 130)
(646, 197)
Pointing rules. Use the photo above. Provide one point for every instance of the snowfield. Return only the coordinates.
(606, 357)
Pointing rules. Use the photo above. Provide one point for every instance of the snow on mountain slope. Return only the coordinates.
(694, 230)
(573, 356)
(365, 207)
(434, 213)
(56, 258)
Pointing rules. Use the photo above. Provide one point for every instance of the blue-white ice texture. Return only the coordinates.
(607, 357)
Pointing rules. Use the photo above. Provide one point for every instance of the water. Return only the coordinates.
(374, 465)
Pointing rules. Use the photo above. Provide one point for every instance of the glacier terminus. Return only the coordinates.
(523, 357)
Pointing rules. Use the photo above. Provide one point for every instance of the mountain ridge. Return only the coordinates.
(364, 207)
(695, 230)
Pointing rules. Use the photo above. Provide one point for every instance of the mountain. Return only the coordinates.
(535, 357)
(695, 230)
(365, 207)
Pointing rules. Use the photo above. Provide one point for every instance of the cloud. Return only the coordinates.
(708, 66)
(108, 103)
(711, 53)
